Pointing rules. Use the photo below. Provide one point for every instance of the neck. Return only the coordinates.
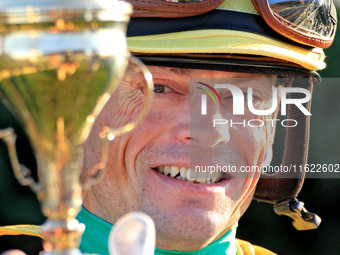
(95, 240)
(181, 243)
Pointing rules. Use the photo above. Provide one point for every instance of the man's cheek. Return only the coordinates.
(124, 106)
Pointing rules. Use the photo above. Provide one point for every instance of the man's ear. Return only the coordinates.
(271, 135)
(268, 156)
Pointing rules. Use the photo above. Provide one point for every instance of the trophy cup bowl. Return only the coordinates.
(59, 63)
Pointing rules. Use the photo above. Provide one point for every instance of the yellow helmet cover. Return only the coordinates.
(226, 41)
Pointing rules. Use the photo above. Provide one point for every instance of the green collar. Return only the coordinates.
(95, 239)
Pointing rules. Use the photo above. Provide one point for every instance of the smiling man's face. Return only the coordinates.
(188, 214)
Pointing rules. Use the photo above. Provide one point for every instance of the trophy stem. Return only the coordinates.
(62, 236)
(62, 197)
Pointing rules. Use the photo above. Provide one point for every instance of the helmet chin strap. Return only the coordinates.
(282, 188)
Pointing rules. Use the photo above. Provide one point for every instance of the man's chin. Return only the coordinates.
(187, 223)
(195, 228)
(188, 212)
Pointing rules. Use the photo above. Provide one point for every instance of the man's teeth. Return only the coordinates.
(174, 170)
(189, 174)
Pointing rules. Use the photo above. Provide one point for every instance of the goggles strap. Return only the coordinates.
(172, 9)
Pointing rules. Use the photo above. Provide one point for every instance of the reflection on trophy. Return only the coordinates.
(60, 62)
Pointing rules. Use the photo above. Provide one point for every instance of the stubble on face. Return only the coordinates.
(184, 220)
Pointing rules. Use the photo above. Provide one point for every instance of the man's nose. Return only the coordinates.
(200, 130)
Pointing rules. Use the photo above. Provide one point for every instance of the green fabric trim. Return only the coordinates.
(95, 239)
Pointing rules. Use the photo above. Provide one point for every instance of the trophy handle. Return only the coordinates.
(21, 172)
(95, 175)
(111, 133)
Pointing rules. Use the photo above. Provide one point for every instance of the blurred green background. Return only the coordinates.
(260, 225)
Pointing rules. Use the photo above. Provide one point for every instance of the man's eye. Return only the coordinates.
(245, 97)
(161, 89)
(256, 100)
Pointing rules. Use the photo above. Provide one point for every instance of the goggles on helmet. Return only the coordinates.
(308, 22)
(311, 22)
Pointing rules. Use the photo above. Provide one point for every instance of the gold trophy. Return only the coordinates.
(60, 61)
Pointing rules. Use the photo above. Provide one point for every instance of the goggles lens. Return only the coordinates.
(311, 17)
(310, 22)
